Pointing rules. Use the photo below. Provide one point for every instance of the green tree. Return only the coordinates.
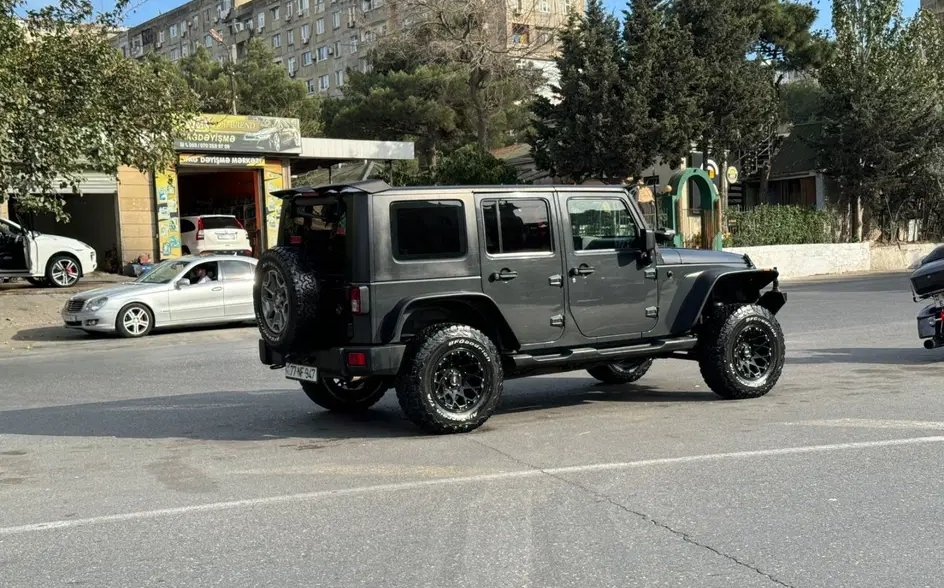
(471, 165)
(71, 104)
(261, 87)
(883, 112)
(579, 134)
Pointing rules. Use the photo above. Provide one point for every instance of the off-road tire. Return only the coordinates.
(415, 391)
(624, 372)
(326, 394)
(716, 341)
(302, 294)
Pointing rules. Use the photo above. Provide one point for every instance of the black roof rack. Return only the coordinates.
(366, 186)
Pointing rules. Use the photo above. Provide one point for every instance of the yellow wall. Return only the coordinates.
(274, 180)
(135, 214)
(4, 213)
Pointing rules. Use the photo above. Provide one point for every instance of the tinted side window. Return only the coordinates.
(236, 270)
(601, 223)
(187, 226)
(428, 229)
(516, 226)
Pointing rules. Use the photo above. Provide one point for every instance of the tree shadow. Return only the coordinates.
(281, 414)
(916, 356)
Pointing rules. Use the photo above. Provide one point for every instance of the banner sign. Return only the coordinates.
(241, 134)
(196, 159)
(168, 212)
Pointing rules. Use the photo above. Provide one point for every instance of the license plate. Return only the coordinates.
(226, 236)
(304, 373)
(69, 318)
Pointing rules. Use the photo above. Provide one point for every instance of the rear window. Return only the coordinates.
(320, 227)
(428, 229)
(220, 222)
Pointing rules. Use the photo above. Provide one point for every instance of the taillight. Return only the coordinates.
(359, 299)
(199, 228)
(357, 359)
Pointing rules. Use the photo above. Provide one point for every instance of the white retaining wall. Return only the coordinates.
(797, 261)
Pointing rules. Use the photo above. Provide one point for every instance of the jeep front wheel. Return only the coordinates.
(451, 380)
(624, 372)
(742, 352)
(285, 298)
(347, 396)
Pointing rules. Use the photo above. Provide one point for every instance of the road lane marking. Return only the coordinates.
(512, 475)
(870, 424)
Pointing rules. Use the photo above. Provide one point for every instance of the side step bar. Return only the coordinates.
(524, 361)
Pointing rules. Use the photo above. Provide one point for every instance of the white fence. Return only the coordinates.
(798, 261)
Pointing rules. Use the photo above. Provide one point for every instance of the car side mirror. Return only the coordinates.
(665, 235)
(182, 283)
(647, 240)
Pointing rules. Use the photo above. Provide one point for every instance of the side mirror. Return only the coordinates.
(647, 240)
(181, 283)
(665, 235)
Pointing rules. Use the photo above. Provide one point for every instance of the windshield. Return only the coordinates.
(164, 272)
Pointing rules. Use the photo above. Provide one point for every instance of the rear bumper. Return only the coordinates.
(382, 360)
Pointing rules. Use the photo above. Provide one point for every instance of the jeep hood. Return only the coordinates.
(702, 257)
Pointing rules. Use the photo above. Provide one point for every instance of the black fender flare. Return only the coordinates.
(480, 304)
(723, 283)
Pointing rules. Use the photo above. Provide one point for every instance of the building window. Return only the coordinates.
(545, 36)
(545, 6)
(319, 26)
(339, 78)
(323, 82)
(306, 32)
(428, 230)
(322, 53)
(319, 6)
(351, 16)
(173, 32)
(208, 41)
(160, 37)
(276, 13)
(517, 226)
(291, 37)
(292, 65)
(303, 5)
(601, 224)
(353, 44)
(277, 40)
(306, 58)
(196, 21)
(261, 19)
(336, 19)
(206, 16)
(367, 5)
(311, 86)
(289, 9)
(174, 54)
(520, 34)
(185, 50)
(337, 49)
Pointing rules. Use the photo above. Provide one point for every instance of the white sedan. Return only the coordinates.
(188, 291)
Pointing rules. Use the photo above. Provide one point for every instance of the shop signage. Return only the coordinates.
(202, 160)
(241, 134)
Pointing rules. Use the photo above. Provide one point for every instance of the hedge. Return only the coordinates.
(779, 225)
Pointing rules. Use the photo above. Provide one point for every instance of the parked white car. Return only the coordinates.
(47, 260)
(182, 292)
(213, 233)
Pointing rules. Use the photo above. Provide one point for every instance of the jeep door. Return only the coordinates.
(522, 266)
(611, 285)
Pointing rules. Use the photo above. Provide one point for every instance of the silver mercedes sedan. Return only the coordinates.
(181, 292)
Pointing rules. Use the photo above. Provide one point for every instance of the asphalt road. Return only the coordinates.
(183, 462)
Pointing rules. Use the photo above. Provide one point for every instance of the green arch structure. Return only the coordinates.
(710, 214)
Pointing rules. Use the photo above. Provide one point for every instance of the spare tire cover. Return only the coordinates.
(285, 298)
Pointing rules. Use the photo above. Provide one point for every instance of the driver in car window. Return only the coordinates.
(200, 275)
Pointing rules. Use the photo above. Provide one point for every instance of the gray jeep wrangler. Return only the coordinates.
(445, 292)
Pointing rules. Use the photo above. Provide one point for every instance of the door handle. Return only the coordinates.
(217, 289)
(504, 275)
(582, 270)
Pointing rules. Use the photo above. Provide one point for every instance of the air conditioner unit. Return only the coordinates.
(351, 24)
(305, 40)
(159, 44)
(330, 51)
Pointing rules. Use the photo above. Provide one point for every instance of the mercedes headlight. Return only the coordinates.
(97, 303)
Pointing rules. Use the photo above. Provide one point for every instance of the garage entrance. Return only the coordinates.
(220, 210)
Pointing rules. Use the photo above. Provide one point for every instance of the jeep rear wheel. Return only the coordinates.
(285, 298)
(623, 372)
(452, 379)
(742, 352)
(346, 396)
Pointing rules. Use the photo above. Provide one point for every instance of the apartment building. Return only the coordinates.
(319, 41)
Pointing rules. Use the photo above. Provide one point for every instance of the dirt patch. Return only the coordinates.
(29, 314)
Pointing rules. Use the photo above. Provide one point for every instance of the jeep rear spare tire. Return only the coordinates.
(451, 380)
(285, 298)
(741, 351)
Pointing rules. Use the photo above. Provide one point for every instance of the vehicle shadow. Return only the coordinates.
(52, 334)
(281, 414)
(58, 333)
(875, 355)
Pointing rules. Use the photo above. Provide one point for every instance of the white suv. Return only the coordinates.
(214, 233)
(47, 260)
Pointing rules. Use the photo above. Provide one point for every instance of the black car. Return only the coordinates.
(445, 292)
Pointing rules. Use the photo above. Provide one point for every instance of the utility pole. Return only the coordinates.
(232, 66)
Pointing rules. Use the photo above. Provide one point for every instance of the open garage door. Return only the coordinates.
(220, 210)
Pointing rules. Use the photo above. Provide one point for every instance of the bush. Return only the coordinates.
(779, 225)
